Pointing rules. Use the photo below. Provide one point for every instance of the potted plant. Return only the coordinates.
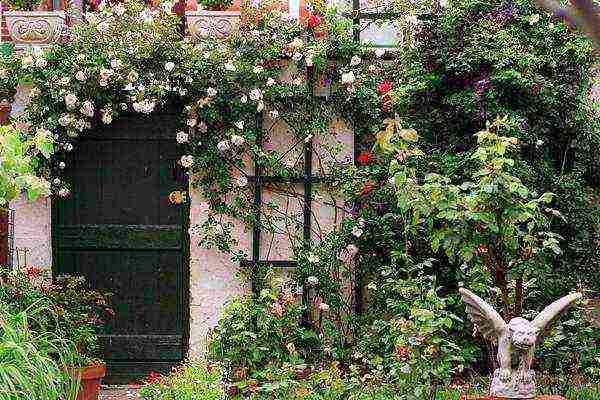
(213, 20)
(77, 315)
(30, 23)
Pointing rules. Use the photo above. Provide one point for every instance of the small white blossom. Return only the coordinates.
(357, 232)
(240, 125)
(380, 52)
(274, 114)
(41, 63)
(270, 82)
(258, 69)
(169, 66)
(230, 67)
(81, 76)
(182, 137)
(244, 99)
(355, 60)
(223, 145)
(70, 101)
(313, 258)
(187, 161)
(237, 140)
(348, 78)
(212, 92)
(312, 281)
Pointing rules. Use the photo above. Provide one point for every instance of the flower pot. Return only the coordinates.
(91, 377)
(216, 24)
(5, 109)
(35, 28)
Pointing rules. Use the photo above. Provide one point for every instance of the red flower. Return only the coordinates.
(154, 377)
(384, 87)
(365, 158)
(314, 20)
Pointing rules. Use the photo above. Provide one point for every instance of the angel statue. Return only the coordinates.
(516, 342)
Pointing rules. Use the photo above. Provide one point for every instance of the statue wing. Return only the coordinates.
(486, 319)
(544, 320)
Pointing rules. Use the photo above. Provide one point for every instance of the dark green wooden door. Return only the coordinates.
(120, 230)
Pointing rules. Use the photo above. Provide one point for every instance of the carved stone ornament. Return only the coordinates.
(516, 342)
(35, 28)
(216, 24)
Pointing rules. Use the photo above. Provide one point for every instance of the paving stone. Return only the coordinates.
(119, 393)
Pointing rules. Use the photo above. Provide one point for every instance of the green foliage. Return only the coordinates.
(24, 5)
(9, 72)
(32, 364)
(218, 5)
(17, 164)
(410, 343)
(67, 307)
(491, 221)
(256, 331)
(193, 380)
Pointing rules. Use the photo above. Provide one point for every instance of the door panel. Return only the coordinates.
(119, 229)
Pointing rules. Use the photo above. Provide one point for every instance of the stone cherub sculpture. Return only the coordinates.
(516, 342)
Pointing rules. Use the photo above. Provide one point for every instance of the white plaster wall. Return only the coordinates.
(32, 239)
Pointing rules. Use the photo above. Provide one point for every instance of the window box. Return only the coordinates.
(218, 24)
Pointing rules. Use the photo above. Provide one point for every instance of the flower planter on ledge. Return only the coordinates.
(34, 28)
(216, 24)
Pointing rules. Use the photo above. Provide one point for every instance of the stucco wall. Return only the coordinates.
(213, 276)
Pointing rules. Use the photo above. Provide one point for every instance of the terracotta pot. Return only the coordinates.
(5, 109)
(217, 24)
(35, 28)
(91, 378)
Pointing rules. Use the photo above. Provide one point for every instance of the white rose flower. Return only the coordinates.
(87, 108)
(355, 60)
(182, 137)
(80, 76)
(115, 64)
(103, 82)
(103, 27)
(240, 125)
(244, 99)
(106, 117)
(223, 146)
(324, 307)
(274, 114)
(187, 161)
(169, 66)
(297, 43)
(297, 56)
(313, 258)
(312, 281)
(380, 52)
(348, 78)
(309, 61)
(237, 140)
(534, 19)
(191, 122)
(270, 82)
(357, 232)
(70, 101)
(212, 92)
(258, 69)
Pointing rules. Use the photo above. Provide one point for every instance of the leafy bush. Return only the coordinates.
(410, 343)
(257, 331)
(194, 380)
(70, 308)
(216, 4)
